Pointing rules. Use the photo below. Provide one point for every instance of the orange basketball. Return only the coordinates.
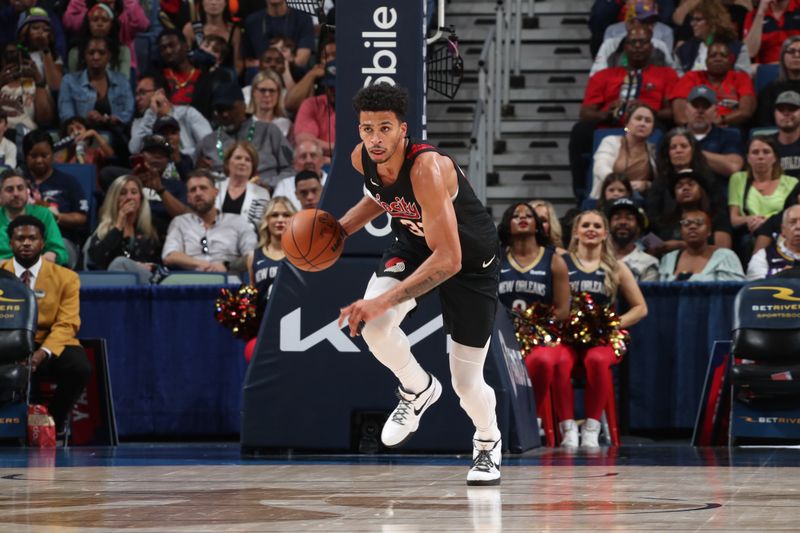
(313, 241)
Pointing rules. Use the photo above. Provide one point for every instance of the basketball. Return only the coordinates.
(313, 241)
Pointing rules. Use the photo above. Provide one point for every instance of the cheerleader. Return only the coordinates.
(531, 272)
(263, 262)
(594, 269)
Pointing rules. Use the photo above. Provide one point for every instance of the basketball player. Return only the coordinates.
(445, 239)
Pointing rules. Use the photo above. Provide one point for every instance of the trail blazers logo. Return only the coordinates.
(780, 293)
(395, 264)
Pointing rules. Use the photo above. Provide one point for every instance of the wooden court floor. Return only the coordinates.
(209, 488)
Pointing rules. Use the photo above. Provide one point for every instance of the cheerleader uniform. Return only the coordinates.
(549, 367)
(265, 270)
(597, 360)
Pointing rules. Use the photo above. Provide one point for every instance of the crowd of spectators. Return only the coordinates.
(231, 105)
(691, 116)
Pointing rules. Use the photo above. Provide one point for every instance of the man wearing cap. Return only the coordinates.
(787, 118)
(734, 91)
(641, 15)
(274, 152)
(780, 255)
(607, 12)
(626, 222)
(152, 103)
(722, 147)
(169, 128)
(645, 11)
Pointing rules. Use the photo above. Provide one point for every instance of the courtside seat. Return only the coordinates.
(18, 318)
(765, 374)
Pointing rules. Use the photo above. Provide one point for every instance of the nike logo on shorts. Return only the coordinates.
(487, 263)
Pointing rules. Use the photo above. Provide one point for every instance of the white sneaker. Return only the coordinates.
(486, 455)
(404, 420)
(590, 433)
(569, 434)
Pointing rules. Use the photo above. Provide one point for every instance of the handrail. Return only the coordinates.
(439, 24)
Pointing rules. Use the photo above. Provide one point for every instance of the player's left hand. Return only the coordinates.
(361, 311)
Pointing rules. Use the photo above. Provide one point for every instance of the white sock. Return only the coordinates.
(477, 397)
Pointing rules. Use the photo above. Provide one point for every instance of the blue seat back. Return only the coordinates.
(18, 320)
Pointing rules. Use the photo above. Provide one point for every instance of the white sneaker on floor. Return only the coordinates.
(569, 434)
(486, 455)
(404, 420)
(590, 433)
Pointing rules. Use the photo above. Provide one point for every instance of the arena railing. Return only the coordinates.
(494, 91)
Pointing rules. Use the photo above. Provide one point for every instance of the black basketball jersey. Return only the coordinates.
(476, 231)
(520, 289)
(590, 282)
(265, 270)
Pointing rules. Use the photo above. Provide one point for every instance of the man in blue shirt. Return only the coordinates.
(722, 147)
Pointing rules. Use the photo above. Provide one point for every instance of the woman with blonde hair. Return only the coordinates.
(594, 269)
(550, 223)
(125, 238)
(266, 100)
(263, 262)
(237, 194)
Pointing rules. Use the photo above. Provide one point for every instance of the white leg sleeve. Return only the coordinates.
(388, 342)
(477, 397)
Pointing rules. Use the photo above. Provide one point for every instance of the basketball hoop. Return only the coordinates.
(445, 66)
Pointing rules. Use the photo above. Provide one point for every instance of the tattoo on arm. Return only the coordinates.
(420, 287)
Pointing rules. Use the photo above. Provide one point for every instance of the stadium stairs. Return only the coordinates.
(555, 66)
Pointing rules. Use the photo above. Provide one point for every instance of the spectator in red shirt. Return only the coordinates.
(771, 23)
(736, 97)
(611, 93)
(316, 118)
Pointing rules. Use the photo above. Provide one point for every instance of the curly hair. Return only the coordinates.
(504, 228)
(720, 24)
(382, 97)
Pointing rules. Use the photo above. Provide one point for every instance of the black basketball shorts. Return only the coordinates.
(469, 300)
